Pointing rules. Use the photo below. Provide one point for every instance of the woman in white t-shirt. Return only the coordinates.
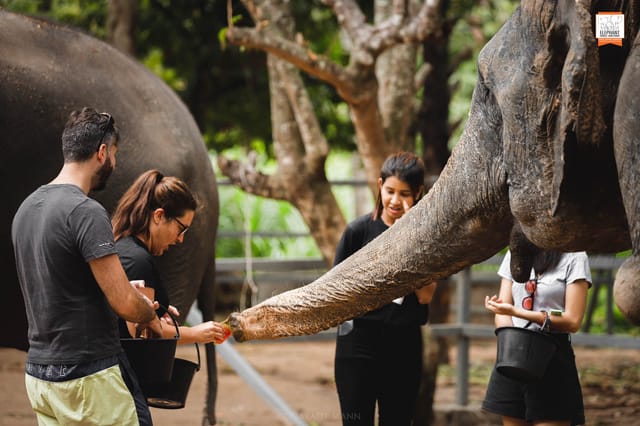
(554, 299)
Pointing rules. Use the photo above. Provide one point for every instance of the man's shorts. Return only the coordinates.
(105, 397)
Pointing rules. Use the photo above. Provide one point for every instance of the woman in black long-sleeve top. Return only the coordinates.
(379, 355)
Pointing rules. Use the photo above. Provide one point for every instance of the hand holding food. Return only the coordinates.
(226, 331)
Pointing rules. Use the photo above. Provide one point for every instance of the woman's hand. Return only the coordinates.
(497, 306)
(502, 304)
(211, 331)
(173, 311)
(405, 206)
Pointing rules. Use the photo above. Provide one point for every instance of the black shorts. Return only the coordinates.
(557, 396)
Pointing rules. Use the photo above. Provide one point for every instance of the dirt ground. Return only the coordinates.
(301, 372)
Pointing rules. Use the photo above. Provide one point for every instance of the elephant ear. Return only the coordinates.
(573, 67)
(582, 105)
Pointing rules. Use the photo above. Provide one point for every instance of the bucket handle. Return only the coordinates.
(177, 336)
(198, 352)
(540, 330)
(175, 322)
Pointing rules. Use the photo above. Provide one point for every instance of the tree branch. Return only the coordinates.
(424, 24)
(349, 17)
(370, 41)
(250, 180)
(421, 75)
(315, 144)
(302, 57)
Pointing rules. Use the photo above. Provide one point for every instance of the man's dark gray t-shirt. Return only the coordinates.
(56, 231)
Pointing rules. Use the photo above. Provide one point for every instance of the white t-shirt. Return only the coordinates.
(551, 287)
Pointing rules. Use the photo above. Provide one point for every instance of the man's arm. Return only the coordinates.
(126, 301)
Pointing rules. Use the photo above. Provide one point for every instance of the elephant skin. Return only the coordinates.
(46, 71)
(534, 169)
(626, 132)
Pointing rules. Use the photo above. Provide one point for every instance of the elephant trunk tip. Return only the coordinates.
(237, 330)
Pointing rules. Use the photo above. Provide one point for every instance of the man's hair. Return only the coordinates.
(85, 131)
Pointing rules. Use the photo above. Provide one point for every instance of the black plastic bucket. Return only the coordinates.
(152, 359)
(173, 394)
(523, 354)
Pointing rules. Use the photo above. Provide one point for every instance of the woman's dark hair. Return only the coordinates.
(150, 191)
(406, 167)
(85, 131)
(545, 261)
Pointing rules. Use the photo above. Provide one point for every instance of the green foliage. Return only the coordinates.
(490, 16)
(154, 62)
(87, 14)
(333, 116)
(319, 26)
(245, 213)
(29, 7)
(225, 89)
(222, 34)
(599, 318)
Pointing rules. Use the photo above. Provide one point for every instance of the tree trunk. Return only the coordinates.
(434, 110)
(121, 25)
(433, 119)
(395, 71)
(426, 394)
(300, 165)
(435, 352)
(299, 145)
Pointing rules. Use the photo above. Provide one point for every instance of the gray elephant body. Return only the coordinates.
(535, 168)
(46, 71)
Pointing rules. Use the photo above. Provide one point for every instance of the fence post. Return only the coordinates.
(463, 290)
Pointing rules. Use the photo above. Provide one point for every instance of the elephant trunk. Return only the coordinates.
(464, 219)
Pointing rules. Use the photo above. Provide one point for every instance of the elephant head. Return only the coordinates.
(534, 168)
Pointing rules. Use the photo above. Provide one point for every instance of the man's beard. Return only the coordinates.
(102, 175)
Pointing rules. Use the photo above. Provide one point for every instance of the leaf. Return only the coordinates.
(222, 37)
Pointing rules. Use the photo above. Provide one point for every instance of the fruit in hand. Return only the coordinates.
(227, 331)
